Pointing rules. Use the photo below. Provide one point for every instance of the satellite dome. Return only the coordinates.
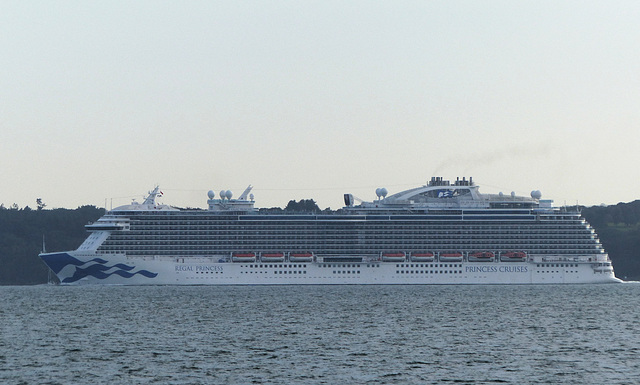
(211, 194)
(383, 192)
(513, 194)
(501, 194)
(251, 197)
(536, 194)
(222, 194)
(228, 194)
(378, 192)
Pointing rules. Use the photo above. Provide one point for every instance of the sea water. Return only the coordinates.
(582, 334)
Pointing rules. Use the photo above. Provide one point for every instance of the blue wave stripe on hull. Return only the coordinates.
(99, 274)
(59, 261)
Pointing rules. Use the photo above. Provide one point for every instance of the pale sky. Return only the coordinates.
(100, 101)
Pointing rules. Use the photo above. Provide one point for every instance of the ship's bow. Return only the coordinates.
(90, 269)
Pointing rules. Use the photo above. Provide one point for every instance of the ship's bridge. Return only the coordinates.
(149, 203)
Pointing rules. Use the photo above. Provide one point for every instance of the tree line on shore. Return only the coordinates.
(21, 239)
(22, 231)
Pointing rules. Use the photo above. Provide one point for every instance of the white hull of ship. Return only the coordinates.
(89, 269)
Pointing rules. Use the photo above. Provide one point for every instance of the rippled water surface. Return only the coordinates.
(320, 335)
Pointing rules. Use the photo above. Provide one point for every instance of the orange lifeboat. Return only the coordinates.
(513, 256)
(482, 256)
(243, 257)
(422, 257)
(272, 257)
(393, 257)
(450, 257)
(301, 257)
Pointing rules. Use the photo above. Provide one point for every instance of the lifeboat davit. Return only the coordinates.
(422, 257)
(513, 256)
(450, 257)
(300, 257)
(482, 256)
(243, 257)
(393, 257)
(272, 257)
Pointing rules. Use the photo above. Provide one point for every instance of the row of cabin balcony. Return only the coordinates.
(534, 237)
(367, 235)
(345, 227)
(471, 219)
(440, 240)
(428, 243)
(375, 232)
(386, 246)
(368, 222)
(350, 230)
(203, 252)
(435, 246)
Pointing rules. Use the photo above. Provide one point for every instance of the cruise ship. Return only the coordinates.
(444, 232)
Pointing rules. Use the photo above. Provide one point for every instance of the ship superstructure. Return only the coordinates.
(440, 233)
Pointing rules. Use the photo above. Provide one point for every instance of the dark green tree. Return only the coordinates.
(21, 233)
(305, 205)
